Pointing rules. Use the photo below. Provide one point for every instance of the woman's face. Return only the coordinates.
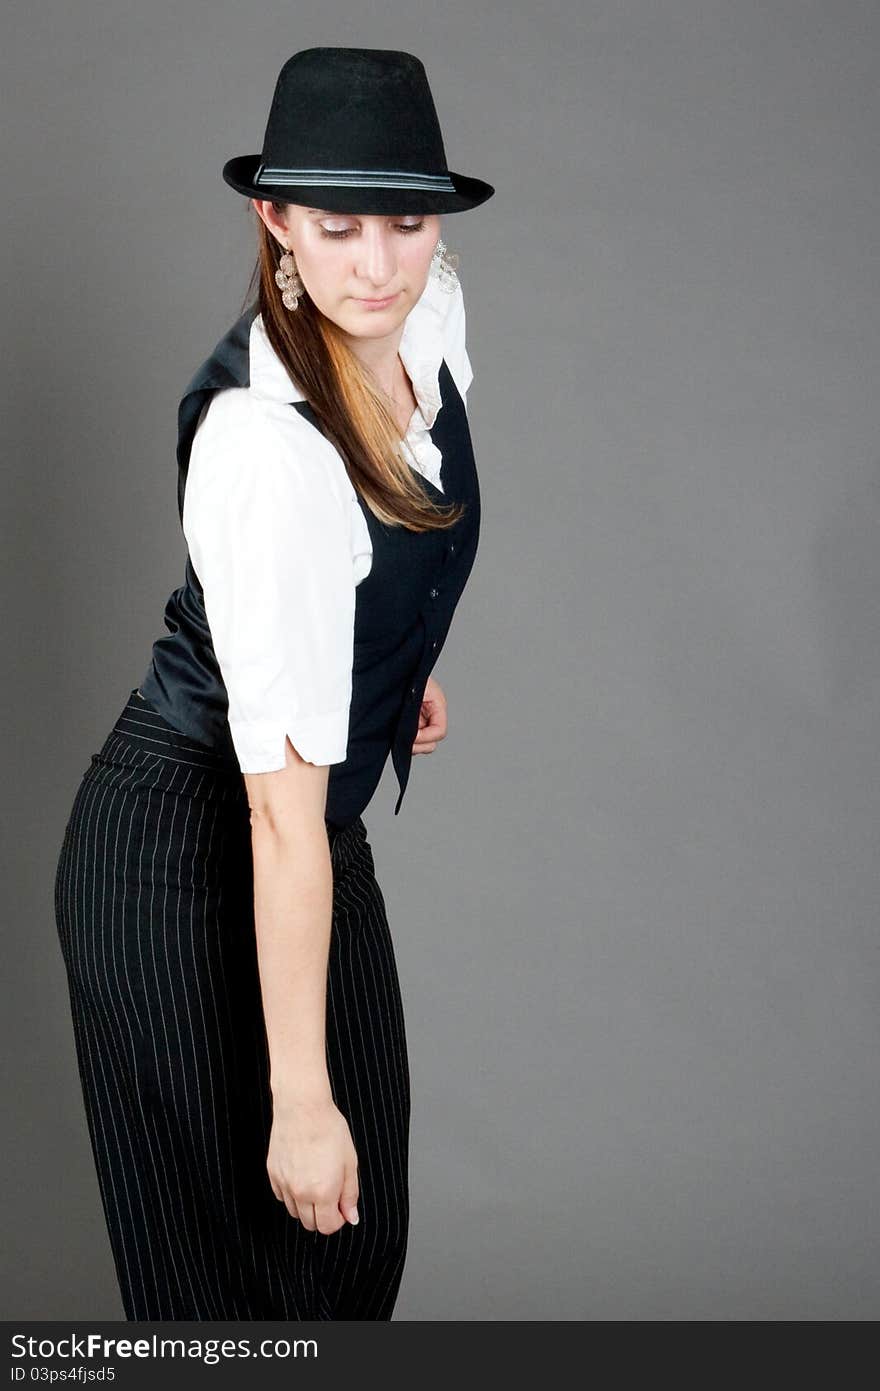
(347, 259)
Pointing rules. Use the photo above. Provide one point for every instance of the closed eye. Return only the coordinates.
(405, 227)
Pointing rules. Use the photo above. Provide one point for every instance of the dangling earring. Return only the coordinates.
(443, 267)
(287, 278)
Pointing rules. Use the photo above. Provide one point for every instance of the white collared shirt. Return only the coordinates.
(279, 542)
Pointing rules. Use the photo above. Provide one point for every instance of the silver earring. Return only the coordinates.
(287, 279)
(443, 267)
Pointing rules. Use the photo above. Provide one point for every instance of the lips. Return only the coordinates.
(378, 303)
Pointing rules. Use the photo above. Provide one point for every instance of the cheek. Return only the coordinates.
(417, 258)
(322, 269)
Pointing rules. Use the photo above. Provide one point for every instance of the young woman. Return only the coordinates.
(235, 1000)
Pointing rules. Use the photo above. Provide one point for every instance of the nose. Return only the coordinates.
(377, 262)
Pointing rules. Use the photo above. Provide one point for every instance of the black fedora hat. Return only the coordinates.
(355, 130)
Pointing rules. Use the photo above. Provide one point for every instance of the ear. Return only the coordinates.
(273, 219)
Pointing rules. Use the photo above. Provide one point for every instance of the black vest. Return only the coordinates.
(403, 607)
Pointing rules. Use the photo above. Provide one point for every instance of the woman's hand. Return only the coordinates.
(432, 719)
(312, 1164)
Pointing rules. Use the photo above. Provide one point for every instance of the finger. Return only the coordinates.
(329, 1219)
(431, 731)
(348, 1199)
(307, 1215)
(290, 1204)
(424, 748)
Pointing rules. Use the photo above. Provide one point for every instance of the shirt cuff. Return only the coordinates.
(320, 739)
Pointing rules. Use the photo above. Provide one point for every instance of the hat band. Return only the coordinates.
(354, 178)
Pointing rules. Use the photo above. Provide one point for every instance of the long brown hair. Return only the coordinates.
(350, 406)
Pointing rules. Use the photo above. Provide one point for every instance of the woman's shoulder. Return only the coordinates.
(260, 400)
(244, 436)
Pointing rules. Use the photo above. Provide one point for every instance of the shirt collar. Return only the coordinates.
(420, 349)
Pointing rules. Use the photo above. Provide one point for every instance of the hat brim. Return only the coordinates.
(239, 173)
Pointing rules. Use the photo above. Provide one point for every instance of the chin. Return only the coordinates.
(368, 323)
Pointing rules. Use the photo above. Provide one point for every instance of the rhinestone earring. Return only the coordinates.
(287, 279)
(443, 267)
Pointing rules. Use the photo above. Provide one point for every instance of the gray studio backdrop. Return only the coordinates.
(635, 893)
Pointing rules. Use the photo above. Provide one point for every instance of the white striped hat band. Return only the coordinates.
(354, 178)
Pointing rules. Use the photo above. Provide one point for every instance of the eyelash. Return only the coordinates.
(406, 228)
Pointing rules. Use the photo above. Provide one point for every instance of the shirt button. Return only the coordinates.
(434, 593)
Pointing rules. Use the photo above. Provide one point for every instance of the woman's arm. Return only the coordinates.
(269, 539)
(312, 1162)
(293, 905)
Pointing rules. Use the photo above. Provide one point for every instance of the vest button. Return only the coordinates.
(452, 545)
(434, 645)
(434, 593)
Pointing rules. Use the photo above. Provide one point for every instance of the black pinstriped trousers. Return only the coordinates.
(155, 917)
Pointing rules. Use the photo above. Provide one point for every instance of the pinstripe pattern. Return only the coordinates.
(154, 911)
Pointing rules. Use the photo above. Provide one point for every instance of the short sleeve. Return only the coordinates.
(270, 540)
(454, 344)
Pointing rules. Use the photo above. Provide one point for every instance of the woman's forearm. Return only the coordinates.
(293, 905)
